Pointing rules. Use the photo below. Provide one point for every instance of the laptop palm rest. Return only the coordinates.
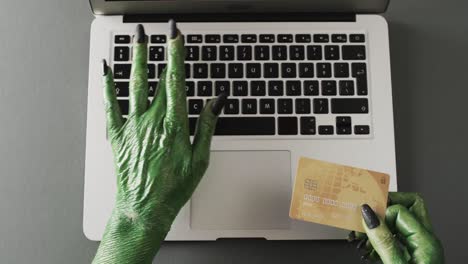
(244, 190)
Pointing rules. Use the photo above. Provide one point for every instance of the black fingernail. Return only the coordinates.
(140, 34)
(371, 219)
(361, 243)
(219, 104)
(351, 236)
(172, 29)
(105, 69)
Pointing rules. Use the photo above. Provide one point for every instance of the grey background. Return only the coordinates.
(43, 82)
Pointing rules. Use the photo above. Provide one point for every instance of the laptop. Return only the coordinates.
(305, 78)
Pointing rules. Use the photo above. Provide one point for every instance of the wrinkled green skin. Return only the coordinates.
(406, 235)
(157, 166)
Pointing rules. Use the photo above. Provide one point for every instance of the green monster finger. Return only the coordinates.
(422, 245)
(415, 204)
(203, 133)
(112, 108)
(175, 82)
(158, 106)
(381, 238)
(138, 91)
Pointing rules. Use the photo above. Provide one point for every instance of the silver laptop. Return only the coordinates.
(305, 78)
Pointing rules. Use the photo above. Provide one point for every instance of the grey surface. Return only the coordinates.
(43, 83)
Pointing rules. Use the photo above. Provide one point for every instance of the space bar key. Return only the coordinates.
(243, 126)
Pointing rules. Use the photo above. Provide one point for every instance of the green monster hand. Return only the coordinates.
(406, 236)
(157, 166)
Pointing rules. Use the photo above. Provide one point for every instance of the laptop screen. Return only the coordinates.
(120, 7)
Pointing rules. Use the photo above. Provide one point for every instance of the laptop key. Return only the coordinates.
(236, 70)
(222, 87)
(152, 86)
(195, 106)
(293, 88)
(320, 106)
(200, 70)
(231, 107)
(267, 106)
(194, 38)
(257, 88)
(354, 52)
(244, 126)
(121, 89)
(357, 38)
(311, 88)
(205, 88)
(240, 88)
(328, 87)
(324, 70)
(209, 53)
(349, 106)
(249, 106)
(285, 106)
(303, 106)
(230, 38)
(343, 125)
(303, 38)
(361, 130)
(267, 38)
(361, 83)
(249, 38)
(346, 88)
(287, 125)
(288, 70)
(341, 70)
(271, 70)
(285, 38)
(226, 53)
(253, 70)
(121, 53)
(122, 71)
(240, 126)
(326, 130)
(122, 39)
(306, 70)
(123, 104)
(192, 53)
(275, 88)
(339, 38)
(308, 125)
(296, 53)
(314, 52)
(244, 53)
(187, 70)
(151, 71)
(280, 53)
(262, 52)
(332, 52)
(212, 38)
(190, 88)
(359, 69)
(321, 38)
(158, 38)
(156, 53)
(218, 70)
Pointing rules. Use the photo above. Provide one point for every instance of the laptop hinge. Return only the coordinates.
(243, 17)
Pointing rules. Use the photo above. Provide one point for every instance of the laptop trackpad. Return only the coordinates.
(244, 190)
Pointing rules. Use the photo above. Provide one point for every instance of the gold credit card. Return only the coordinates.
(331, 194)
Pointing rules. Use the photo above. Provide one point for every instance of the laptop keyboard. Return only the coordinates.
(294, 85)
